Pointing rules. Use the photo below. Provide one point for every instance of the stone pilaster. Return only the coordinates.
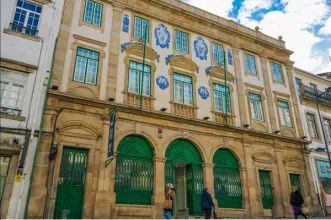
(245, 192)
(296, 102)
(240, 87)
(268, 90)
(159, 186)
(208, 173)
(114, 50)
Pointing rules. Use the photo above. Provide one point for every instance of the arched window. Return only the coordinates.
(227, 181)
(134, 171)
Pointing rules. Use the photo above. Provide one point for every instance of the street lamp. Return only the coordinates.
(317, 96)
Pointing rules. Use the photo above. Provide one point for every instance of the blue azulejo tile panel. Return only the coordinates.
(203, 92)
(201, 48)
(126, 23)
(162, 36)
(162, 82)
(230, 61)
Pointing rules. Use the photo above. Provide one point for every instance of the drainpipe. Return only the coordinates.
(34, 122)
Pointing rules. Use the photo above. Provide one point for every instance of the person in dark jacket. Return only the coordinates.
(296, 202)
(206, 203)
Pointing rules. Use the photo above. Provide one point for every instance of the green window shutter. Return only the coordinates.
(134, 173)
(86, 66)
(227, 181)
(219, 98)
(256, 106)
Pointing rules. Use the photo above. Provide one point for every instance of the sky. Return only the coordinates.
(305, 25)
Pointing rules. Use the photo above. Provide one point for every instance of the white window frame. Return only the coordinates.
(282, 114)
(253, 105)
(312, 126)
(327, 127)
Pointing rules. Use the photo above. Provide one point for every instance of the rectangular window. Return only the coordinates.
(93, 13)
(277, 72)
(135, 78)
(327, 125)
(284, 113)
(219, 98)
(218, 53)
(4, 161)
(250, 64)
(182, 41)
(298, 86)
(26, 17)
(141, 28)
(183, 89)
(312, 126)
(256, 106)
(86, 66)
(12, 89)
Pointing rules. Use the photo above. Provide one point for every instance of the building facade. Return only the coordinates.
(239, 133)
(306, 83)
(27, 40)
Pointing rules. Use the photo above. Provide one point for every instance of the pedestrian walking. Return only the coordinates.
(297, 202)
(206, 203)
(168, 203)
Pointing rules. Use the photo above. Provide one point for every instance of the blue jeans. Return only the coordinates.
(167, 214)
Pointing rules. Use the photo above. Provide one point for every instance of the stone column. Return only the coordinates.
(104, 197)
(114, 50)
(240, 87)
(268, 90)
(245, 192)
(208, 178)
(159, 186)
(296, 102)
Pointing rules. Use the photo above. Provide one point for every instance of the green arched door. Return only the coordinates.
(183, 153)
(227, 183)
(134, 171)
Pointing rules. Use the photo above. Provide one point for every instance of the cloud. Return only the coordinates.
(218, 7)
(251, 6)
(326, 30)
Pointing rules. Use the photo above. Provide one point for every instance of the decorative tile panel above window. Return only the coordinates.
(277, 72)
(93, 13)
(218, 53)
(256, 106)
(126, 23)
(284, 113)
(12, 91)
(141, 28)
(86, 66)
(26, 18)
(182, 41)
(162, 36)
(250, 64)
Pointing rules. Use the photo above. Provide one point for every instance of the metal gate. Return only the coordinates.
(227, 181)
(295, 181)
(266, 189)
(194, 178)
(70, 189)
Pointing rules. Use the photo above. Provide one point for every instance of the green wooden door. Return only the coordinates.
(70, 189)
(266, 189)
(194, 185)
(295, 181)
(227, 183)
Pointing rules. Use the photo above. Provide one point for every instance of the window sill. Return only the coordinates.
(18, 34)
(181, 104)
(12, 117)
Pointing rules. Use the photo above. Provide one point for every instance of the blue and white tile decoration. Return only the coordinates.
(201, 48)
(162, 82)
(203, 92)
(126, 23)
(230, 62)
(162, 36)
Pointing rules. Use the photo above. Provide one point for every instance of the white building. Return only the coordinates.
(306, 83)
(29, 30)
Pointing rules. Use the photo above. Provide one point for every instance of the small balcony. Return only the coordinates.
(308, 93)
(24, 30)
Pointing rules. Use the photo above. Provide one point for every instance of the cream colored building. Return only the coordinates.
(180, 135)
(305, 83)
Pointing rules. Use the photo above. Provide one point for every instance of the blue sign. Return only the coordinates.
(111, 134)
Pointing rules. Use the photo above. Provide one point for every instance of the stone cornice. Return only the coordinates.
(170, 117)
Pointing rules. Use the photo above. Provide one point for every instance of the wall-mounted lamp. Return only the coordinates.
(304, 137)
(163, 109)
(246, 125)
(111, 99)
(55, 87)
(276, 132)
(206, 118)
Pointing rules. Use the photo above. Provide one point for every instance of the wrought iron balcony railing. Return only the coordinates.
(308, 92)
(22, 29)
(10, 111)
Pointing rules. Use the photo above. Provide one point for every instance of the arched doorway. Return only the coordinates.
(134, 171)
(183, 168)
(227, 183)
